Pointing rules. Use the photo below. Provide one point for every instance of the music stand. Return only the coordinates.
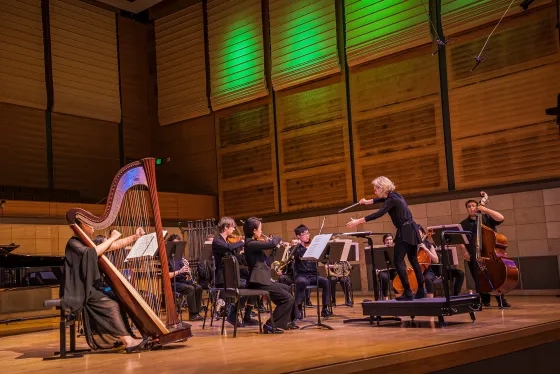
(444, 236)
(368, 235)
(338, 250)
(317, 252)
(174, 249)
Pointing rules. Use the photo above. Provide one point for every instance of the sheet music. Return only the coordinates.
(315, 249)
(146, 245)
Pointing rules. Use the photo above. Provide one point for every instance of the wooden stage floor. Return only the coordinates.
(349, 348)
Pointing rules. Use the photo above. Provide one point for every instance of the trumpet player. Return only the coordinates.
(184, 283)
(286, 273)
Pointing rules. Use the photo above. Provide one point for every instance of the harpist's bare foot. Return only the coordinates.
(129, 341)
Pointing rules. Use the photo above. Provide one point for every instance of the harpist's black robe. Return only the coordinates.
(103, 323)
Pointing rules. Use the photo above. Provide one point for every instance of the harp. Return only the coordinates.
(140, 281)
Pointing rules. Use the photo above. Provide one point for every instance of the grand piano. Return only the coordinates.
(20, 271)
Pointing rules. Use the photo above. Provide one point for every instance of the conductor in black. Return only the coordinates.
(407, 237)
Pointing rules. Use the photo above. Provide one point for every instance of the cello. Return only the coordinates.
(497, 274)
(423, 259)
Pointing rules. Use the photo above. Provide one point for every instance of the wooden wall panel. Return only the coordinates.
(191, 148)
(236, 52)
(135, 96)
(380, 28)
(84, 60)
(397, 124)
(302, 41)
(85, 155)
(497, 111)
(247, 167)
(23, 148)
(181, 65)
(313, 145)
(461, 15)
(22, 65)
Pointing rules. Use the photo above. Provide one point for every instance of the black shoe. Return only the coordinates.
(325, 313)
(486, 305)
(504, 304)
(420, 294)
(292, 326)
(406, 296)
(267, 329)
(231, 320)
(308, 303)
(195, 317)
(145, 345)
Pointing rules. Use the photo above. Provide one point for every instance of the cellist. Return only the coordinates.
(491, 219)
(429, 275)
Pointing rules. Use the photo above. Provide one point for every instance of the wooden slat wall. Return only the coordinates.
(461, 15)
(379, 28)
(500, 131)
(235, 42)
(84, 60)
(135, 86)
(397, 124)
(85, 154)
(313, 145)
(22, 68)
(247, 160)
(191, 147)
(23, 148)
(181, 65)
(303, 41)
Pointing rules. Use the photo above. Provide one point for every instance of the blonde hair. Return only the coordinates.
(384, 184)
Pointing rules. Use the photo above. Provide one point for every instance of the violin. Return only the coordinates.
(234, 238)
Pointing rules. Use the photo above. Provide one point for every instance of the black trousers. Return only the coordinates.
(458, 277)
(304, 280)
(403, 249)
(484, 297)
(281, 296)
(344, 283)
(194, 295)
(384, 277)
(429, 278)
(287, 279)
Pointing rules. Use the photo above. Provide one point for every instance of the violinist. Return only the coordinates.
(491, 219)
(259, 277)
(306, 273)
(407, 237)
(226, 244)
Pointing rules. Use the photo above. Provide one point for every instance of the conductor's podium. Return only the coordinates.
(437, 307)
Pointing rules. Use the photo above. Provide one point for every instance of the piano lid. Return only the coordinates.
(7, 248)
(13, 260)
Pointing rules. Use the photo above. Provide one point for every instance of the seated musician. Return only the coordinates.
(386, 275)
(491, 219)
(340, 272)
(105, 325)
(429, 275)
(182, 282)
(259, 277)
(306, 272)
(221, 247)
(286, 274)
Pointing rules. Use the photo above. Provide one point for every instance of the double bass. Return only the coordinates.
(497, 274)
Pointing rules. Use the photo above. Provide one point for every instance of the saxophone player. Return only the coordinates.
(184, 283)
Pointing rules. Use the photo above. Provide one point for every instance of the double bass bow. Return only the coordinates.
(497, 274)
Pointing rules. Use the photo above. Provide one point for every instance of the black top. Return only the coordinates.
(257, 260)
(469, 224)
(176, 265)
(221, 248)
(303, 267)
(81, 271)
(396, 206)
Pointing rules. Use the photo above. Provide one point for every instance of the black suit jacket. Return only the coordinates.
(221, 248)
(259, 270)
